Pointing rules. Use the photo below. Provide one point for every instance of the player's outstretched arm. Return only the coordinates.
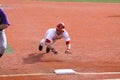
(68, 47)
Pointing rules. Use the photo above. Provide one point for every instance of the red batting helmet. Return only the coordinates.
(60, 25)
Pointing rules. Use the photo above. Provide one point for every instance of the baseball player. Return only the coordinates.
(4, 23)
(54, 34)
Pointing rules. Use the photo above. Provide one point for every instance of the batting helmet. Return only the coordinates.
(60, 25)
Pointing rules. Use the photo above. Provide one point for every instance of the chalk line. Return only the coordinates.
(32, 74)
(77, 73)
(112, 79)
(98, 73)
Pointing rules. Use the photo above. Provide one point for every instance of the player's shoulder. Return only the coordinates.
(1, 9)
(65, 31)
(2, 12)
(52, 29)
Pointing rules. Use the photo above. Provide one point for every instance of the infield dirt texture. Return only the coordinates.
(94, 29)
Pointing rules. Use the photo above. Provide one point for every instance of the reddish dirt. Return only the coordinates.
(95, 36)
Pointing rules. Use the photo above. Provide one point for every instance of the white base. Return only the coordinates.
(64, 71)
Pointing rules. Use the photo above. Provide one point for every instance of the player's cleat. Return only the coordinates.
(40, 47)
(54, 51)
(47, 50)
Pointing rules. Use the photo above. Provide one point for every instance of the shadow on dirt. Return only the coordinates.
(37, 57)
(33, 58)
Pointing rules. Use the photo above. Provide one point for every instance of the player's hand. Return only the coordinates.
(54, 51)
(68, 51)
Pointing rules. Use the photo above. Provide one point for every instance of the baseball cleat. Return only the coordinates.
(55, 52)
(40, 47)
(47, 50)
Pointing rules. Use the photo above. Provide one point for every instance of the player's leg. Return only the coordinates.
(42, 43)
(47, 48)
(3, 43)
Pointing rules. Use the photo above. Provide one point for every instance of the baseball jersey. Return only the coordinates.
(3, 18)
(53, 36)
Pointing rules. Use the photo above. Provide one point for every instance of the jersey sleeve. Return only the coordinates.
(49, 34)
(66, 36)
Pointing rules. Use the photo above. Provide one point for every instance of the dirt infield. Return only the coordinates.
(94, 29)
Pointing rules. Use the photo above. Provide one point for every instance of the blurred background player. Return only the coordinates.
(4, 23)
(54, 34)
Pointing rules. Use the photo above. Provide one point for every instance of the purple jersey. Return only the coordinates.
(3, 18)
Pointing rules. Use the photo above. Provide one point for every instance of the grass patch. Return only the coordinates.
(9, 50)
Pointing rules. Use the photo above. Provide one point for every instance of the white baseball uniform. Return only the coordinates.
(53, 36)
